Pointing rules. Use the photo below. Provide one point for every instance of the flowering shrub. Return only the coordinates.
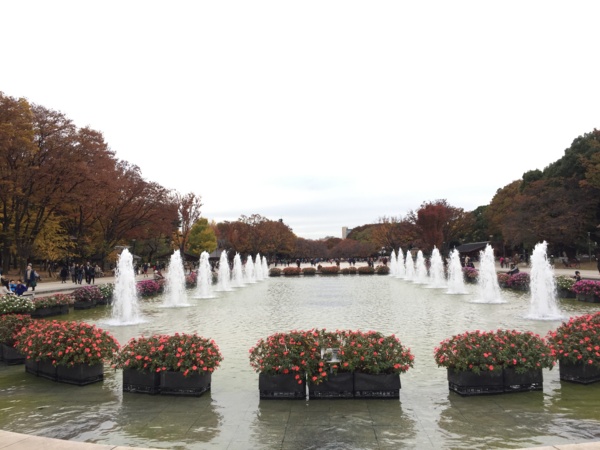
(470, 274)
(296, 352)
(519, 280)
(503, 279)
(309, 271)
(349, 270)
(87, 294)
(565, 282)
(53, 300)
(382, 270)
(10, 325)
(329, 270)
(65, 343)
(578, 340)
(107, 290)
(366, 270)
(147, 288)
(291, 271)
(191, 279)
(372, 352)
(187, 353)
(588, 287)
(478, 351)
(274, 272)
(14, 304)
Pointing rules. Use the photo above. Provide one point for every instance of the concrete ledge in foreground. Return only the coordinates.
(17, 441)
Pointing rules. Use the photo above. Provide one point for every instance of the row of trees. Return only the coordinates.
(64, 195)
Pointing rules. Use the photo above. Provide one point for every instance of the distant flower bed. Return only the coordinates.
(503, 279)
(382, 270)
(366, 270)
(565, 282)
(471, 274)
(14, 304)
(519, 280)
(330, 270)
(147, 288)
(191, 279)
(53, 300)
(587, 287)
(291, 271)
(87, 294)
(309, 271)
(275, 272)
(107, 290)
(10, 325)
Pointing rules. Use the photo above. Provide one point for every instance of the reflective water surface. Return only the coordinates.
(232, 416)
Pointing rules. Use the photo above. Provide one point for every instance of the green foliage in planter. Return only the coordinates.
(87, 294)
(53, 300)
(10, 325)
(309, 271)
(382, 270)
(291, 271)
(14, 304)
(275, 272)
(366, 270)
(578, 340)
(565, 282)
(503, 279)
(330, 270)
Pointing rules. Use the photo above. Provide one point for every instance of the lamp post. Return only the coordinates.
(589, 248)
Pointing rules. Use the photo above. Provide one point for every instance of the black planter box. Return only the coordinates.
(579, 373)
(84, 305)
(42, 368)
(56, 310)
(367, 385)
(80, 374)
(468, 383)
(11, 355)
(141, 382)
(565, 293)
(194, 385)
(532, 380)
(281, 386)
(339, 385)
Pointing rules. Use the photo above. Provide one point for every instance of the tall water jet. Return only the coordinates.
(224, 275)
(265, 267)
(393, 264)
(437, 277)
(175, 295)
(258, 273)
(543, 304)
(205, 278)
(489, 289)
(409, 266)
(456, 278)
(237, 277)
(401, 272)
(249, 274)
(420, 269)
(125, 306)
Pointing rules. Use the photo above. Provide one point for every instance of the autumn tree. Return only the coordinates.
(202, 238)
(188, 210)
(436, 222)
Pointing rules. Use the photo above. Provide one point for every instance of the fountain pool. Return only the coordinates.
(232, 416)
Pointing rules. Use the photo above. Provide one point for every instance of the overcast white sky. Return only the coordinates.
(322, 113)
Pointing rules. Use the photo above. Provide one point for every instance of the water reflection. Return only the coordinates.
(427, 415)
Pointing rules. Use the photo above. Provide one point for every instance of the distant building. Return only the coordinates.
(345, 231)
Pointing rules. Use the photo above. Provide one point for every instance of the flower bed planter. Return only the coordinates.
(367, 385)
(42, 368)
(88, 304)
(80, 374)
(589, 298)
(11, 355)
(281, 386)
(565, 293)
(49, 311)
(338, 385)
(532, 380)
(579, 373)
(468, 383)
(141, 382)
(175, 383)
(104, 301)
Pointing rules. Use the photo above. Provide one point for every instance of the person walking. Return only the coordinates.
(30, 277)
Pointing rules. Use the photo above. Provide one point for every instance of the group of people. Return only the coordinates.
(77, 272)
(30, 278)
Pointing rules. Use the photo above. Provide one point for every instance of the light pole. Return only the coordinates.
(589, 248)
